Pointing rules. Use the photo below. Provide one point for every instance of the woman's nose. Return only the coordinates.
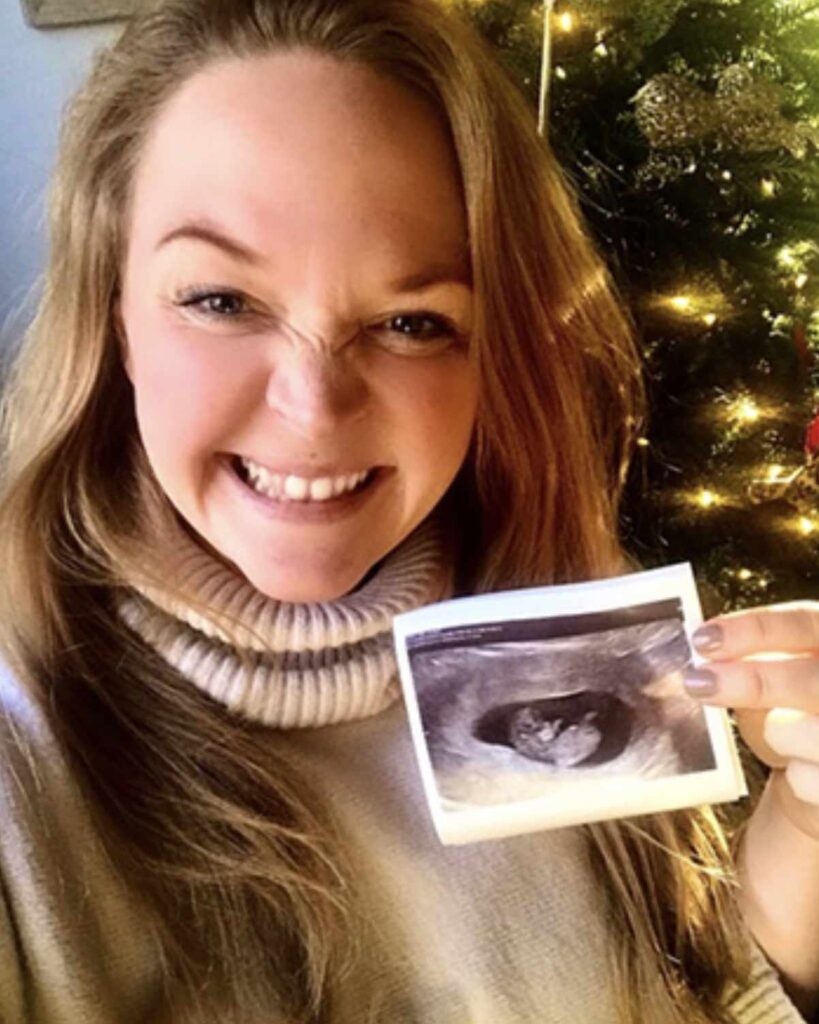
(314, 390)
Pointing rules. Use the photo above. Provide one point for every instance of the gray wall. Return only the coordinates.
(39, 68)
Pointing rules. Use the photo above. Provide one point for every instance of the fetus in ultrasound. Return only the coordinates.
(556, 740)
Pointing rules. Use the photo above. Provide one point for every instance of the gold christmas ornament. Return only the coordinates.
(743, 114)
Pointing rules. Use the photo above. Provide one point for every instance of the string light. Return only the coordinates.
(566, 22)
(801, 281)
(706, 303)
(601, 50)
(707, 498)
(642, 442)
(744, 410)
(768, 187)
(786, 257)
(757, 580)
(806, 525)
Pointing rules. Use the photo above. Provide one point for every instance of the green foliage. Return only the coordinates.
(691, 129)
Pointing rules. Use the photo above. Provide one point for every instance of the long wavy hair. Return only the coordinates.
(227, 847)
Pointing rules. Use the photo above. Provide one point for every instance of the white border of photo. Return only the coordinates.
(577, 801)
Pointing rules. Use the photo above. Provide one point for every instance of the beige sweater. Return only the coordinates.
(502, 932)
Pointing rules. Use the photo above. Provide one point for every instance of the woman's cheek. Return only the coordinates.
(433, 391)
(185, 395)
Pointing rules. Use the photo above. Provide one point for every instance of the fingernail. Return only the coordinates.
(707, 638)
(700, 682)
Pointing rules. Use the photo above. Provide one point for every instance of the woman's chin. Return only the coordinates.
(307, 588)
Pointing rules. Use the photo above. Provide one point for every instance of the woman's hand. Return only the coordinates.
(775, 698)
(764, 663)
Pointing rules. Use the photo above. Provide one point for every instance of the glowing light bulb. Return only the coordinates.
(746, 410)
(801, 281)
(744, 574)
(706, 498)
(566, 22)
(710, 319)
(642, 442)
(774, 472)
(786, 257)
(560, 72)
(601, 49)
(806, 525)
(681, 302)
(768, 187)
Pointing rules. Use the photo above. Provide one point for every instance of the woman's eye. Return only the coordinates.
(421, 327)
(214, 305)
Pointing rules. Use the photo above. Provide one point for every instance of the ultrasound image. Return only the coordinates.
(502, 719)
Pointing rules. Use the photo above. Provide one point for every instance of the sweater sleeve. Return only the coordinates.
(763, 1000)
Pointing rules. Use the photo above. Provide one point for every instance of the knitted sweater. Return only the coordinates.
(508, 931)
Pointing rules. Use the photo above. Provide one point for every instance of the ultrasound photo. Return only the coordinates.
(575, 710)
(574, 696)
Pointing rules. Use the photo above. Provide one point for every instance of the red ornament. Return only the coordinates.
(812, 437)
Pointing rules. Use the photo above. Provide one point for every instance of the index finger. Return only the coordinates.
(790, 628)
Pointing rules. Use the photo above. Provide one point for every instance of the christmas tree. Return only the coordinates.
(691, 130)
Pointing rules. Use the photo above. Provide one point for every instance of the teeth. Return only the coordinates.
(321, 490)
(296, 488)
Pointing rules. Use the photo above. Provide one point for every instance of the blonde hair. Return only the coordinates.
(227, 847)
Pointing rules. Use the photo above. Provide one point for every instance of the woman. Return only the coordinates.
(322, 339)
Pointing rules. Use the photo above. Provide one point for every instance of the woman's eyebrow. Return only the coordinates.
(205, 233)
(456, 271)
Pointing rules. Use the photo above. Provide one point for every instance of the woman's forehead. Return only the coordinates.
(284, 144)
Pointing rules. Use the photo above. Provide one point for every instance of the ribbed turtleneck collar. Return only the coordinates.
(288, 665)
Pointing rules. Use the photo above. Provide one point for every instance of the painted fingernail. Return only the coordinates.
(700, 682)
(707, 638)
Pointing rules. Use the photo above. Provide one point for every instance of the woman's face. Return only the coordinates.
(296, 291)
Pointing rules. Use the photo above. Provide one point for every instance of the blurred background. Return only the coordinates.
(691, 131)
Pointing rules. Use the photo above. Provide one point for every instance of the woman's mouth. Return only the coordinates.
(297, 497)
(290, 487)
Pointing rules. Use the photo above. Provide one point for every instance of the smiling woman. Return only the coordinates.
(315, 383)
(322, 339)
